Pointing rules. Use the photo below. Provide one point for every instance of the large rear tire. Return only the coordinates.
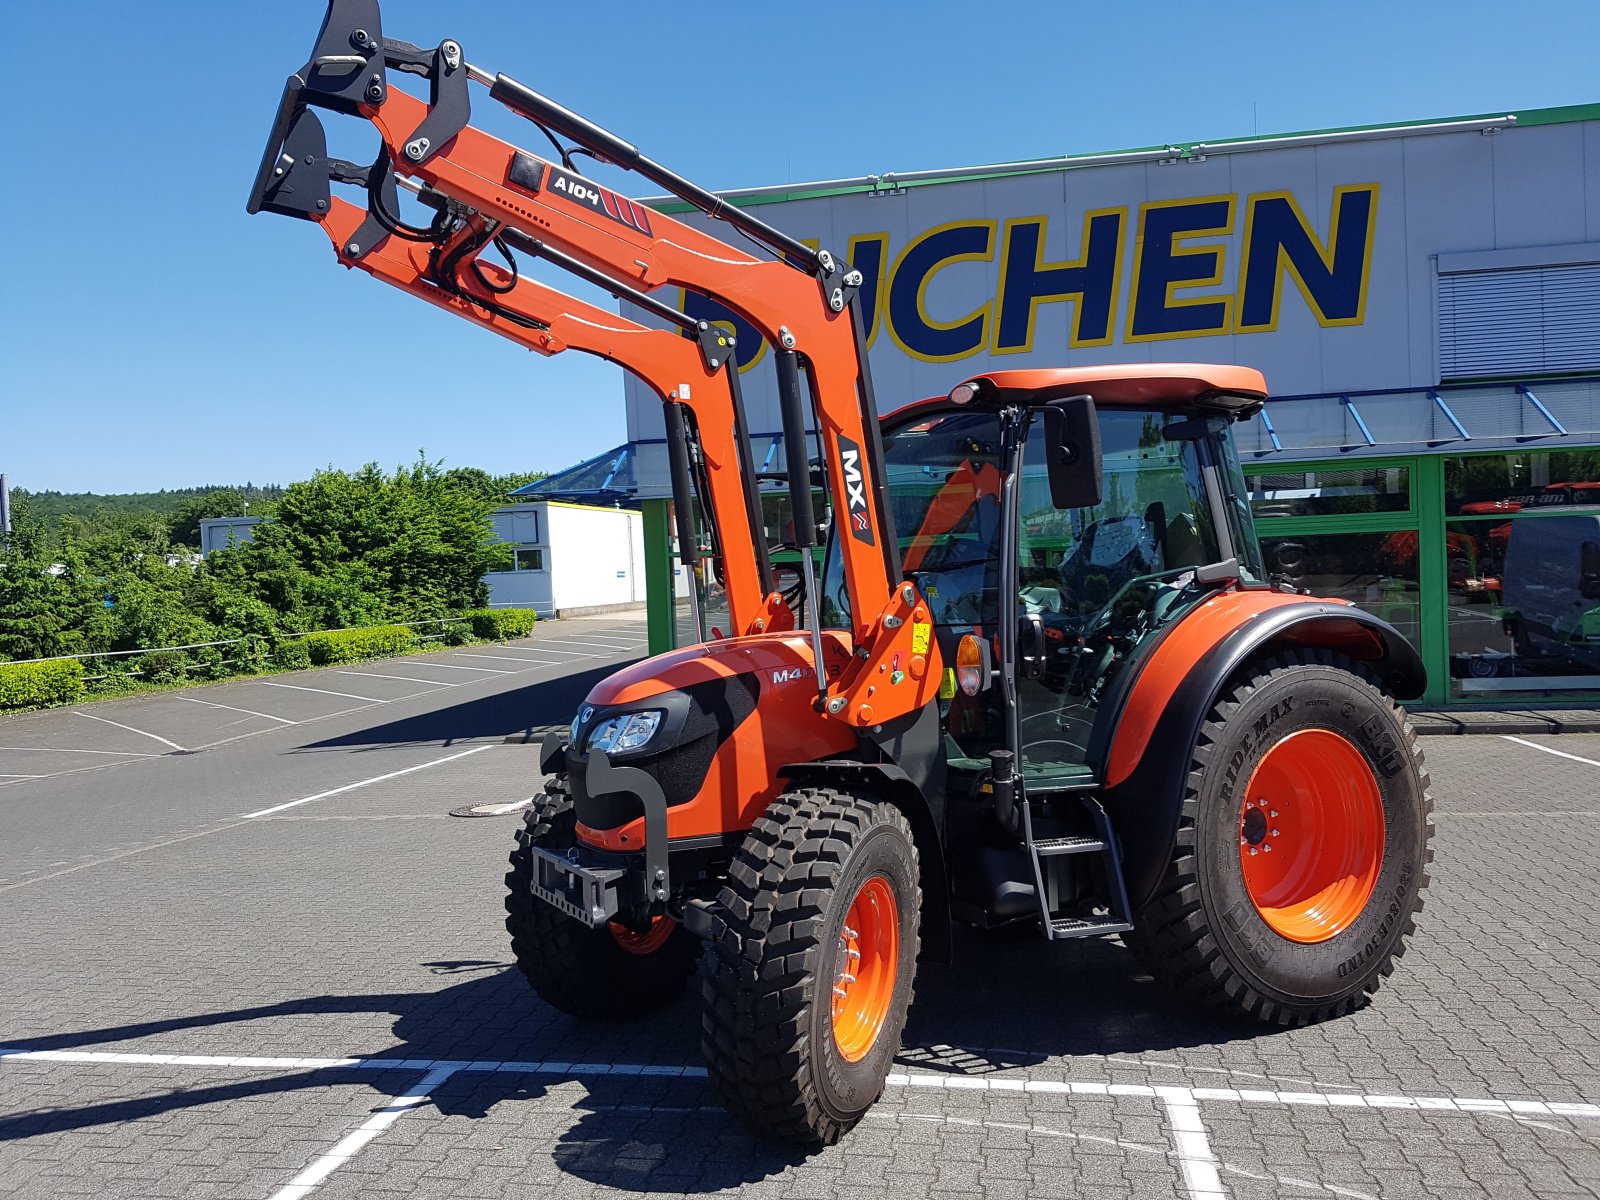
(610, 973)
(1302, 851)
(814, 954)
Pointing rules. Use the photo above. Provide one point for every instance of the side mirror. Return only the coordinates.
(1072, 452)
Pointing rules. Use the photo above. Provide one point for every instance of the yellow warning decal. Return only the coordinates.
(921, 632)
(947, 685)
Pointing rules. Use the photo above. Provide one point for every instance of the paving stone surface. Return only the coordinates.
(356, 940)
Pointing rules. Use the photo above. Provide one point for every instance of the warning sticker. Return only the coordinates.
(947, 685)
(921, 632)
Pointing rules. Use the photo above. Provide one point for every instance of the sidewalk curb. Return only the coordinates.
(1497, 722)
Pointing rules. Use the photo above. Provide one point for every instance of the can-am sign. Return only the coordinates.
(1198, 267)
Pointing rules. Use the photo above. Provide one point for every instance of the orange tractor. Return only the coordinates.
(1042, 677)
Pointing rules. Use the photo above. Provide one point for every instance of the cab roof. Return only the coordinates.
(1234, 391)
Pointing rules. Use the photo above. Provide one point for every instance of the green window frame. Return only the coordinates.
(1423, 515)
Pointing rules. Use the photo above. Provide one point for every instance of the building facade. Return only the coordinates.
(568, 557)
(1424, 300)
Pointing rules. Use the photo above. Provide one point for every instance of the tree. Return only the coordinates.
(42, 612)
(358, 548)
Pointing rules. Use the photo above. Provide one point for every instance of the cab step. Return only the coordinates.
(1073, 927)
(1068, 845)
(1049, 873)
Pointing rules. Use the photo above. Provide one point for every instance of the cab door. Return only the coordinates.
(1090, 585)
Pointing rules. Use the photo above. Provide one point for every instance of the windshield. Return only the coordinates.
(1153, 521)
(943, 476)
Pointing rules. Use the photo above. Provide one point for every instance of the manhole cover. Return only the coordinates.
(491, 810)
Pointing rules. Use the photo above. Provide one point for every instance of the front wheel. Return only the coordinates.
(814, 953)
(1302, 851)
(609, 973)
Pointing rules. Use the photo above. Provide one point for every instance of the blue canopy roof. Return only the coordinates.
(606, 480)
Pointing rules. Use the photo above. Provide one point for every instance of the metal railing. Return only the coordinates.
(261, 639)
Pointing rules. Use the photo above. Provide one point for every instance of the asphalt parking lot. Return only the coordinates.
(248, 953)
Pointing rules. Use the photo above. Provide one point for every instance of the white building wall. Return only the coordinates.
(596, 556)
(591, 556)
(520, 589)
(216, 532)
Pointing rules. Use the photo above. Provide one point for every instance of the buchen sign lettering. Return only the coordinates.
(1166, 269)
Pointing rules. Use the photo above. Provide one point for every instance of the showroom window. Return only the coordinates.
(1377, 571)
(1321, 493)
(1524, 572)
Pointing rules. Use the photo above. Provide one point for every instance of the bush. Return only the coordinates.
(499, 624)
(26, 685)
(164, 666)
(348, 645)
(290, 654)
(458, 633)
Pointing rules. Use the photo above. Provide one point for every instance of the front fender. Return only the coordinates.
(926, 816)
(1148, 752)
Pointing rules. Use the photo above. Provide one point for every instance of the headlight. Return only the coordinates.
(628, 731)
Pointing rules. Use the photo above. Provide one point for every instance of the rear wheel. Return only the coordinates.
(609, 973)
(814, 954)
(1303, 848)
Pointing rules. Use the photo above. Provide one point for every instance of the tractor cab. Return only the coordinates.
(1061, 599)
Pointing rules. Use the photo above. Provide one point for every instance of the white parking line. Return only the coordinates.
(1251, 1095)
(600, 645)
(1548, 750)
(60, 750)
(5, 776)
(295, 687)
(1195, 1160)
(505, 658)
(397, 678)
(349, 1146)
(350, 787)
(155, 737)
(411, 662)
(1199, 1166)
(963, 1083)
(252, 712)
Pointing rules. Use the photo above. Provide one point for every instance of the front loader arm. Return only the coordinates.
(694, 374)
(803, 302)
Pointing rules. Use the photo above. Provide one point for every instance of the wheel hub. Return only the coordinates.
(643, 941)
(865, 962)
(1311, 835)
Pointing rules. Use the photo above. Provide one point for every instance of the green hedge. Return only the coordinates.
(24, 685)
(348, 645)
(498, 624)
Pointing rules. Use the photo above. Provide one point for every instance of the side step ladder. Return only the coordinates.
(1046, 877)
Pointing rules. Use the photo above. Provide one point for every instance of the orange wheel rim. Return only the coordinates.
(864, 969)
(1311, 832)
(648, 941)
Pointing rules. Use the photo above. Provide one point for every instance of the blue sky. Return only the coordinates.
(153, 335)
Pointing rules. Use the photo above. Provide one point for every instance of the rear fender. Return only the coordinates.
(889, 782)
(1179, 683)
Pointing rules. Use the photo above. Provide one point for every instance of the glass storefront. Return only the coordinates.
(1377, 571)
(1524, 573)
(1489, 563)
(1324, 493)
